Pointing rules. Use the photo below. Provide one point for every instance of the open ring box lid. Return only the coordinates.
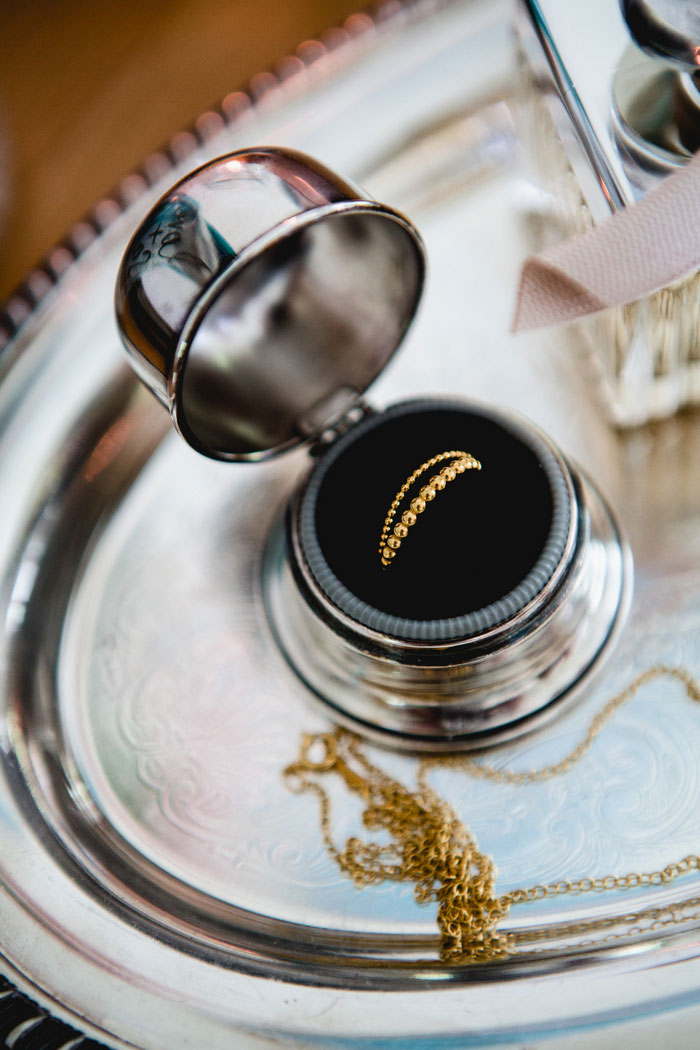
(278, 292)
(277, 336)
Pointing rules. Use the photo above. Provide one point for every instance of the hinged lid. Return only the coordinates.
(666, 29)
(260, 298)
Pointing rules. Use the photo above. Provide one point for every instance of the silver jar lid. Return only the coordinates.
(261, 296)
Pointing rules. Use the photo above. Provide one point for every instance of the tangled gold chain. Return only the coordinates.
(433, 849)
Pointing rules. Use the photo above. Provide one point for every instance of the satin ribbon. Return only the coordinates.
(636, 252)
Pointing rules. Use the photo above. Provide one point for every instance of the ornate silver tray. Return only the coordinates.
(160, 886)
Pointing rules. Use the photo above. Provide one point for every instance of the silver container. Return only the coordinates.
(526, 582)
(258, 299)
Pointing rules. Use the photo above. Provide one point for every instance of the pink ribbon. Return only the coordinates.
(638, 251)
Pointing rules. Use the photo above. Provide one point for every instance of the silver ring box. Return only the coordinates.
(258, 300)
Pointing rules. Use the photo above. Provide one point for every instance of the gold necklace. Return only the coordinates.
(433, 849)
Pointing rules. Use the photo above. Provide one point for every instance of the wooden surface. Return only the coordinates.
(88, 89)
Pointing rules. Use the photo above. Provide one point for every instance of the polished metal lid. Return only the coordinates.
(668, 29)
(261, 296)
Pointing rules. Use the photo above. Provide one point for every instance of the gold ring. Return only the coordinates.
(392, 535)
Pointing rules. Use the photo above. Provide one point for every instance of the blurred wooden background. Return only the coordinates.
(88, 88)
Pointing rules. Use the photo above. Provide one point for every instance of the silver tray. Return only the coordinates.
(160, 886)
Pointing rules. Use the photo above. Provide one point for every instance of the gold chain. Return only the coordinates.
(433, 849)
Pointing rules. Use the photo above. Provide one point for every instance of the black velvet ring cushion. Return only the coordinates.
(481, 550)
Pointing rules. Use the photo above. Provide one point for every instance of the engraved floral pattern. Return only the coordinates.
(182, 754)
(630, 804)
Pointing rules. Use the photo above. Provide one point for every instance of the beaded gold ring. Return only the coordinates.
(392, 535)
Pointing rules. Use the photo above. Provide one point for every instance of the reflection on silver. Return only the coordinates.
(261, 296)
